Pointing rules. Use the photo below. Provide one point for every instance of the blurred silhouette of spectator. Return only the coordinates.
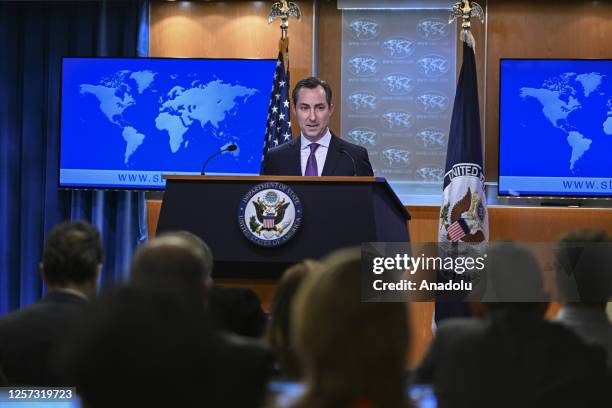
(279, 329)
(513, 357)
(143, 348)
(3, 380)
(584, 265)
(180, 264)
(353, 352)
(236, 310)
(71, 264)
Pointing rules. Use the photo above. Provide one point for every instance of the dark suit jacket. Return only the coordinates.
(3, 380)
(29, 338)
(284, 160)
(236, 310)
(241, 369)
(512, 361)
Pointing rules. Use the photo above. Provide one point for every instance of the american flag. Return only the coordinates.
(457, 230)
(278, 129)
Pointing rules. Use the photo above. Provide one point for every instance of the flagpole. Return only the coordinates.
(278, 125)
(465, 10)
(283, 10)
(283, 49)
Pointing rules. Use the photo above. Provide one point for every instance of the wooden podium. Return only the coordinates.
(337, 212)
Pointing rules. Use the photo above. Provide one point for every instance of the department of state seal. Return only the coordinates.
(270, 214)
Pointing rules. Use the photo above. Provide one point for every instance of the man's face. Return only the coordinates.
(313, 112)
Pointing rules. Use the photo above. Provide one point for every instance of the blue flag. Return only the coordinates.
(278, 127)
(463, 214)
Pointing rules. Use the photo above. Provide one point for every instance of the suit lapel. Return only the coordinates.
(296, 158)
(333, 154)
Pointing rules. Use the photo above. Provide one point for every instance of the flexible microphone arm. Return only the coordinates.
(342, 150)
(229, 148)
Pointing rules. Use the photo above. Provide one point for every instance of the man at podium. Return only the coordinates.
(317, 152)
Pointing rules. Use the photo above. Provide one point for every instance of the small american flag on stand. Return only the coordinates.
(278, 128)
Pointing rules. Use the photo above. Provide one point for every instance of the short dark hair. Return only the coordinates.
(72, 253)
(312, 83)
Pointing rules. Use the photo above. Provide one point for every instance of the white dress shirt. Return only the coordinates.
(72, 292)
(320, 153)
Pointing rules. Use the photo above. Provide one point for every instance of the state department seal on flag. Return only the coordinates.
(463, 215)
(270, 214)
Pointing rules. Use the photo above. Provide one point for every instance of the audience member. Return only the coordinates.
(353, 352)
(3, 380)
(180, 264)
(513, 357)
(71, 264)
(584, 258)
(279, 329)
(176, 262)
(140, 348)
(235, 310)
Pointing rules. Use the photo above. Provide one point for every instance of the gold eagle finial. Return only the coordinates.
(284, 9)
(465, 10)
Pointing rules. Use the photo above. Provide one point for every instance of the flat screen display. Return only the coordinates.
(286, 393)
(127, 121)
(555, 129)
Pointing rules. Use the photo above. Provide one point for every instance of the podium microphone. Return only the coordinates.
(343, 151)
(228, 148)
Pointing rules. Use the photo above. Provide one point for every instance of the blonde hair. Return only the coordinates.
(351, 350)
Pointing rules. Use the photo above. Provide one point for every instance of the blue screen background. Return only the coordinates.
(542, 104)
(162, 115)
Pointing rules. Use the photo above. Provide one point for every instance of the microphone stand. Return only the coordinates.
(343, 151)
(229, 148)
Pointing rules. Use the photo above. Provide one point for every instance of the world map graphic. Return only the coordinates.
(179, 108)
(128, 119)
(570, 123)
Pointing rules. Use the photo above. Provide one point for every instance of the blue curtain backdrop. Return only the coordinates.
(33, 38)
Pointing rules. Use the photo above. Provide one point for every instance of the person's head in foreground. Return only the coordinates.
(516, 278)
(513, 357)
(142, 348)
(584, 261)
(178, 261)
(353, 353)
(72, 258)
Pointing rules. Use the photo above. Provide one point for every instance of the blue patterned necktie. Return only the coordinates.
(311, 164)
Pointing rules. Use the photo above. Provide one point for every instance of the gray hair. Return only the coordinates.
(175, 259)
